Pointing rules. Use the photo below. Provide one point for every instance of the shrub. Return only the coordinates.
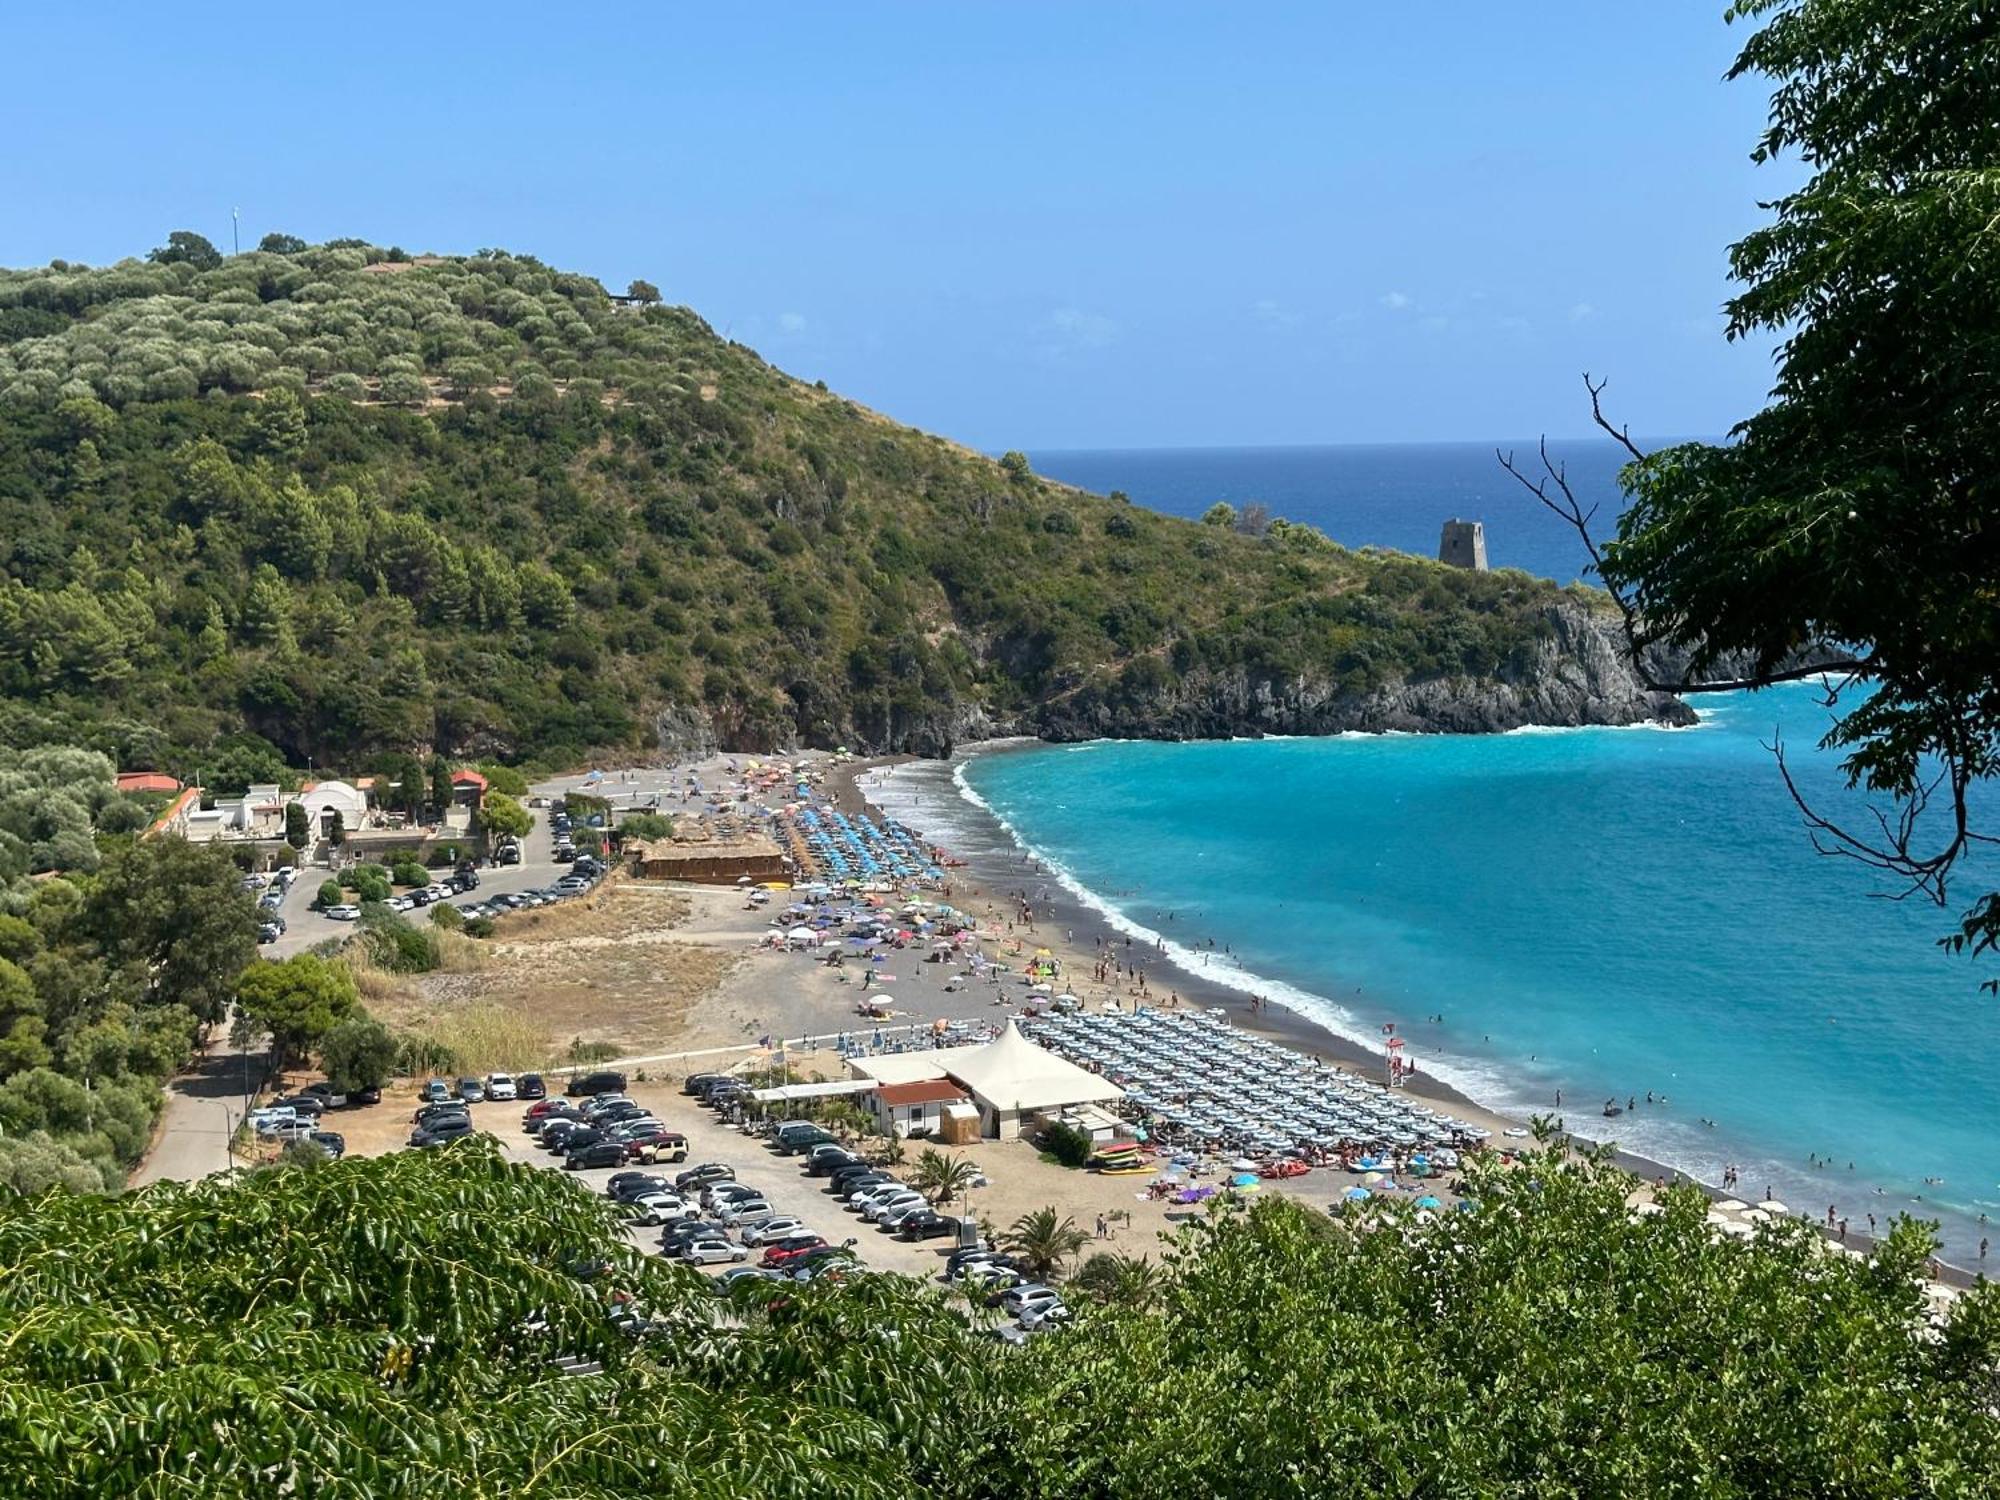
(330, 894)
(408, 872)
(396, 945)
(447, 916)
(1067, 1144)
(479, 927)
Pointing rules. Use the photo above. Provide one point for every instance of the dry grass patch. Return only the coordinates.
(608, 969)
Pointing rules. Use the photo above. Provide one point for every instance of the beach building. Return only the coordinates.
(915, 1108)
(1008, 1079)
(708, 859)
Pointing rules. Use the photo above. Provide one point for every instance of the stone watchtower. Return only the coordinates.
(1463, 545)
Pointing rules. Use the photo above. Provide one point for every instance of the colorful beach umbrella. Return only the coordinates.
(1357, 1195)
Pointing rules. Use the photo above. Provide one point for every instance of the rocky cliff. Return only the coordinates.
(1575, 673)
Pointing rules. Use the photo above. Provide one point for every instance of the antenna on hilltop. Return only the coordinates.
(235, 247)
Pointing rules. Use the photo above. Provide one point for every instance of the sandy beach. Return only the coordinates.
(757, 996)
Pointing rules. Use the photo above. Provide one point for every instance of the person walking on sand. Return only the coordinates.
(1100, 1226)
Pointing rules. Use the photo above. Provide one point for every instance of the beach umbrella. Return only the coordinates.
(1427, 1201)
(1244, 1179)
(1357, 1195)
(1374, 1179)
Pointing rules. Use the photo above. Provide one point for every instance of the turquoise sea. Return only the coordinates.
(1600, 911)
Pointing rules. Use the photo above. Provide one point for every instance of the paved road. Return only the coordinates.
(305, 927)
(204, 1104)
(202, 1110)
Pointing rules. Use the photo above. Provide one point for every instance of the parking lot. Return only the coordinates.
(305, 926)
(781, 1179)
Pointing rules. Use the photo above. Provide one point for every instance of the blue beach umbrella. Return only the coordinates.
(1427, 1201)
(1357, 1195)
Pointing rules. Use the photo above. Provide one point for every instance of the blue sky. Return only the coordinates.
(1023, 225)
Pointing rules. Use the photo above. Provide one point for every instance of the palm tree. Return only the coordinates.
(1042, 1241)
(941, 1176)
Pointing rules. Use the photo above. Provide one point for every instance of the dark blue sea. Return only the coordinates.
(1604, 912)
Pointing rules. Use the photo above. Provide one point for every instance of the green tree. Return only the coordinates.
(297, 1001)
(336, 829)
(502, 817)
(643, 292)
(941, 1177)
(176, 914)
(644, 825)
(281, 244)
(1836, 521)
(505, 779)
(185, 247)
(1014, 464)
(330, 894)
(298, 827)
(1043, 1241)
(441, 787)
(357, 1053)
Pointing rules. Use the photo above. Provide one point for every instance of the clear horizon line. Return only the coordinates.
(1516, 442)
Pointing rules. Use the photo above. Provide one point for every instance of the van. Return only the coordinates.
(592, 1084)
(792, 1139)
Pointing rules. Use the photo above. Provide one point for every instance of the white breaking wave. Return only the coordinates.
(1482, 1084)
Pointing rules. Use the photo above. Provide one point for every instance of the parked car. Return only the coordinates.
(1018, 1299)
(826, 1158)
(669, 1146)
(891, 1218)
(1044, 1314)
(596, 1154)
(595, 1083)
(960, 1261)
(792, 1141)
(444, 1128)
(269, 932)
(303, 1102)
(530, 1086)
(345, 912)
(712, 1251)
(436, 1091)
(707, 1172)
(510, 854)
(631, 1184)
(743, 1210)
(718, 1193)
(657, 1208)
(926, 1225)
(471, 1090)
(499, 1086)
(298, 1128)
(770, 1231)
(791, 1248)
(331, 1142)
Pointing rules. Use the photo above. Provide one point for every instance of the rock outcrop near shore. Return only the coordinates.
(1576, 673)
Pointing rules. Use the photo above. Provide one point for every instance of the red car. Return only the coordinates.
(790, 1249)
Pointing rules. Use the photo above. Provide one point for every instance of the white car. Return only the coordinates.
(718, 1193)
(859, 1201)
(736, 1210)
(777, 1227)
(1043, 1314)
(713, 1252)
(908, 1198)
(401, 903)
(1018, 1299)
(500, 1086)
(437, 893)
(343, 913)
(657, 1208)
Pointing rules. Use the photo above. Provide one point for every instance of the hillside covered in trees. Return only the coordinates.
(357, 504)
